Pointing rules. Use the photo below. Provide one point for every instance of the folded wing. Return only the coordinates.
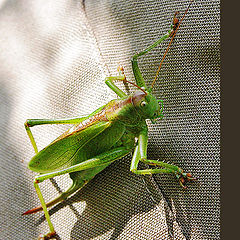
(62, 152)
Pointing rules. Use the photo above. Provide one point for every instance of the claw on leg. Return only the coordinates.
(51, 235)
(120, 70)
(175, 23)
(183, 178)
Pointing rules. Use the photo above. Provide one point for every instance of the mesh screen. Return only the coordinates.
(54, 56)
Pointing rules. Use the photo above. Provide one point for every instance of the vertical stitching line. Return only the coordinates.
(95, 41)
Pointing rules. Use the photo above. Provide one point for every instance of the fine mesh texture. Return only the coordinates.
(54, 56)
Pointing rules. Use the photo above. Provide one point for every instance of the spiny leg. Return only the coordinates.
(169, 168)
(34, 122)
(136, 71)
(140, 154)
(51, 228)
(101, 159)
(112, 85)
(76, 185)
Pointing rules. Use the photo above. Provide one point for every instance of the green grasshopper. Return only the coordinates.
(107, 134)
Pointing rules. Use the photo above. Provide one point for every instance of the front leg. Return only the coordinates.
(110, 82)
(136, 71)
(140, 154)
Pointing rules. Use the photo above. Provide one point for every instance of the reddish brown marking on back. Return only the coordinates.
(93, 119)
(85, 124)
(112, 107)
(118, 105)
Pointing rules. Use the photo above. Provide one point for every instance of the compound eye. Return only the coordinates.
(143, 104)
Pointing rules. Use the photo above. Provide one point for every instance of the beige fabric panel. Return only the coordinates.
(54, 56)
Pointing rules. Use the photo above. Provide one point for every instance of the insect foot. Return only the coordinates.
(183, 178)
(120, 69)
(51, 235)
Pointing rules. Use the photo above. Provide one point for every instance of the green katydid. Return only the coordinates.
(107, 134)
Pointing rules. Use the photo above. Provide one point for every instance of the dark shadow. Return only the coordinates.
(112, 198)
(179, 202)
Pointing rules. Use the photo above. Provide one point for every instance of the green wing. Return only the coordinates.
(62, 152)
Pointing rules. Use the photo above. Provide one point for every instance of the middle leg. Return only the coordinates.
(140, 154)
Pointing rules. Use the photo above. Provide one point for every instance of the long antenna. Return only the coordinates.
(174, 33)
(121, 72)
(135, 86)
